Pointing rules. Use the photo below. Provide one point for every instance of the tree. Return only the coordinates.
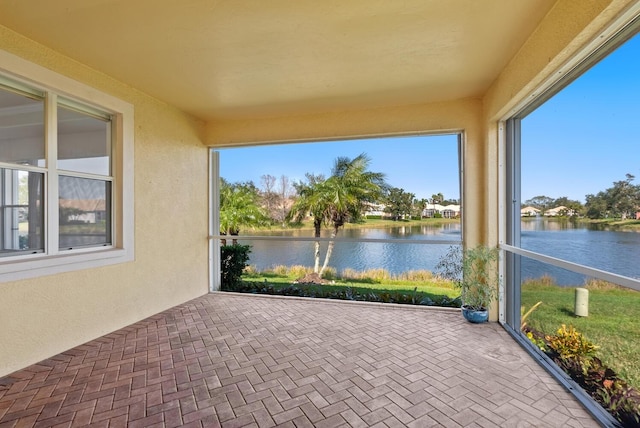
(624, 197)
(346, 192)
(310, 202)
(596, 206)
(437, 198)
(337, 199)
(541, 202)
(398, 203)
(284, 194)
(573, 206)
(239, 207)
(622, 200)
(269, 195)
(446, 202)
(419, 205)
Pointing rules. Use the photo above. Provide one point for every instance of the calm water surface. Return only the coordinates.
(614, 251)
(360, 256)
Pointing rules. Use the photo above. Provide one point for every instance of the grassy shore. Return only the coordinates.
(612, 323)
(366, 223)
(615, 224)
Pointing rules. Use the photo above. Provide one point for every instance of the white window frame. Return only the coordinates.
(121, 250)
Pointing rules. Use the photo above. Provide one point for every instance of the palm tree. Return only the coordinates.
(337, 200)
(239, 208)
(311, 202)
(345, 193)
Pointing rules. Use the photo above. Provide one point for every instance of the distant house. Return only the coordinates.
(371, 209)
(449, 211)
(638, 215)
(559, 211)
(529, 212)
(431, 209)
(83, 210)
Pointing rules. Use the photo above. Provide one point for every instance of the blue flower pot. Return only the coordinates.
(475, 316)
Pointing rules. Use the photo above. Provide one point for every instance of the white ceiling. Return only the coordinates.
(227, 59)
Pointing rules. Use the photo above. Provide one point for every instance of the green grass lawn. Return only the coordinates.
(613, 322)
(434, 287)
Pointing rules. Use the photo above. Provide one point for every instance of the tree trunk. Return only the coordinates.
(334, 232)
(317, 226)
(316, 255)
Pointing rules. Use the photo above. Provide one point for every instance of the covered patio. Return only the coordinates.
(240, 360)
(129, 329)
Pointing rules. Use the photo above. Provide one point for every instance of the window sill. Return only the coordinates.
(40, 265)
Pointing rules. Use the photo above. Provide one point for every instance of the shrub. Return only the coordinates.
(280, 270)
(350, 273)
(416, 275)
(568, 343)
(376, 274)
(298, 271)
(573, 353)
(545, 280)
(233, 260)
(330, 273)
(599, 284)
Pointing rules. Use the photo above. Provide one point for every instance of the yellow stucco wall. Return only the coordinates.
(44, 316)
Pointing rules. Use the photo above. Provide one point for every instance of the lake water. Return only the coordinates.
(591, 245)
(614, 251)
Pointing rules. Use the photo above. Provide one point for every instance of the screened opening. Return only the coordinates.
(389, 233)
(573, 233)
(85, 212)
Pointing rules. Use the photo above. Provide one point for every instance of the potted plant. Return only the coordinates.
(474, 271)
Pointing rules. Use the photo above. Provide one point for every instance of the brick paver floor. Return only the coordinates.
(234, 361)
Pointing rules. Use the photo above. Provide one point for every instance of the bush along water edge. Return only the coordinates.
(234, 260)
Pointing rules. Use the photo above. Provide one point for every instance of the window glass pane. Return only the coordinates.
(21, 129)
(84, 143)
(21, 213)
(85, 212)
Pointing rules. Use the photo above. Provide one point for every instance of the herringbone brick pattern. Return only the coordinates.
(236, 361)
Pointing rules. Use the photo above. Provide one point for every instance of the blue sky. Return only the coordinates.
(579, 142)
(588, 135)
(421, 165)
